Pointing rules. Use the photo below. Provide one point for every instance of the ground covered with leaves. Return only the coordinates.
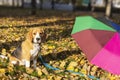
(59, 50)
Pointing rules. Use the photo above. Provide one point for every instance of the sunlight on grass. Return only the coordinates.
(59, 50)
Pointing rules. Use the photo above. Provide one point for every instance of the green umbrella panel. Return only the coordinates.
(88, 22)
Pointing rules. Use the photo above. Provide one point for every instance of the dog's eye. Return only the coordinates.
(40, 33)
(34, 33)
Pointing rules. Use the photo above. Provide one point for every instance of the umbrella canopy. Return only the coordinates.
(99, 39)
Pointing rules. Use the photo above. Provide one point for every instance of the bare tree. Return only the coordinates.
(13, 3)
(41, 3)
(73, 3)
(92, 5)
(53, 4)
(22, 1)
(108, 11)
(17, 3)
(33, 3)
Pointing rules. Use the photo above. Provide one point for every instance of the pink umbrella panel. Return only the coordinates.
(100, 41)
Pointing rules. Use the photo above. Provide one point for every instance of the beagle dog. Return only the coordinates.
(29, 49)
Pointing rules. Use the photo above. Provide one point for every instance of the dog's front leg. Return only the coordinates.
(34, 63)
(27, 63)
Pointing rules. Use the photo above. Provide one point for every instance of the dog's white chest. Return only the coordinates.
(34, 52)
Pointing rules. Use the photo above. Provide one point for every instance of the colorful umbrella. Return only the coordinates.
(99, 39)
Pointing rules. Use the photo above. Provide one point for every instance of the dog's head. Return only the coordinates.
(36, 35)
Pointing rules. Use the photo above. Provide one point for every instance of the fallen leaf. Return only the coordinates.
(39, 71)
(44, 70)
(2, 71)
(29, 70)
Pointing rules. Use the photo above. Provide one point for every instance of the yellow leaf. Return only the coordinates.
(45, 46)
(84, 71)
(50, 77)
(17, 39)
(62, 65)
(76, 70)
(58, 78)
(70, 68)
(29, 70)
(39, 71)
(10, 68)
(112, 78)
(94, 68)
(2, 70)
(73, 64)
(3, 51)
(51, 47)
(10, 25)
(44, 70)
(82, 62)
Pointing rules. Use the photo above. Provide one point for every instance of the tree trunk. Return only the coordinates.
(73, 3)
(33, 3)
(108, 12)
(18, 3)
(52, 3)
(13, 3)
(22, 3)
(41, 4)
(92, 5)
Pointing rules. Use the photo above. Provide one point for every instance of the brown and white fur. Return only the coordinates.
(29, 49)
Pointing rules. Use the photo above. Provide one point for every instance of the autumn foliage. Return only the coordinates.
(59, 49)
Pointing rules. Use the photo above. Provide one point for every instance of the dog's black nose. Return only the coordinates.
(37, 39)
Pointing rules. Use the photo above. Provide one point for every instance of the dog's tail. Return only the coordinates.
(4, 57)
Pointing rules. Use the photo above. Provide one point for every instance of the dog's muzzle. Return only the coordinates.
(37, 39)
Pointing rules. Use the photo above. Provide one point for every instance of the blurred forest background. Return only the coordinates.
(106, 5)
(57, 17)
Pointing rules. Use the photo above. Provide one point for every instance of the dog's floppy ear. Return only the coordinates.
(43, 35)
(30, 35)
